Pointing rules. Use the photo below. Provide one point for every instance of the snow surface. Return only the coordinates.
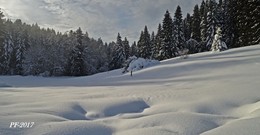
(208, 94)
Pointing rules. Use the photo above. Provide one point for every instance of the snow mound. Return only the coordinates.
(69, 111)
(140, 63)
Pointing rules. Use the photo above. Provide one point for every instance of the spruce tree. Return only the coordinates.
(179, 38)
(140, 44)
(153, 45)
(204, 23)
(77, 65)
(158, 42)
(126, 48)
(168, 48)
(144, 44)
(187, 23)
(220, 15)
(202, 9)
(9, 48)
(229, 23)
(19, 47)
(196, 20)
(133, 50)
(118, 55)
(211, 21)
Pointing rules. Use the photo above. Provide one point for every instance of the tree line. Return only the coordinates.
(30, 50)
(238, 21)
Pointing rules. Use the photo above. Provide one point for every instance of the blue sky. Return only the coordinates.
(100, 18)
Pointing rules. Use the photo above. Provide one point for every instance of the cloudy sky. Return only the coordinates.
(100, 18)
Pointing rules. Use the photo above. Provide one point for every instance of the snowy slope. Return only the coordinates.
(208, 94)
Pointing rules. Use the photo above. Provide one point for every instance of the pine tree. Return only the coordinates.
(76, 61)
(168, 48)
(126, 48)
(144, 44)
(187, 23)
(118, 55)
(20, 47)
(179, 38)
(202, 9)
(229, 29)
(158, 42)
(220, 15)
(110, 50)
(153, 45)
(211, 21)
(133, 50)
(196, 24)
(140, 44)
(9, 48)
(204, 23)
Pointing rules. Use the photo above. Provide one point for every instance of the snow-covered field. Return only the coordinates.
(207, 93)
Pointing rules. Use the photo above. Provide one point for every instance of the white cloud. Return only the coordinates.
(100, 18)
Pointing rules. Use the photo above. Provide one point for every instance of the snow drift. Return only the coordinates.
(141, 63)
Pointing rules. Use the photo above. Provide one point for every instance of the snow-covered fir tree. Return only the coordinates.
(187, 25)
(20, 47)
(158, 42)
(229, 22)
(144, 44)
(218, 44)
(203, 25)
(196, 24)
(76, 61)
(178, 30)
(9, 49)
(167, 47)
(153, 46)
(126, 48)
(220, 16)
(133, 49)
(211, 23)
(118, 55)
